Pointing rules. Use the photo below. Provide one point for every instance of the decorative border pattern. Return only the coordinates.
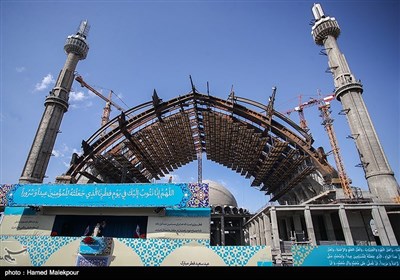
(40, 248)
(152, 252)
(4, 190)
(300, 253)
(200, 195)
(236, 255)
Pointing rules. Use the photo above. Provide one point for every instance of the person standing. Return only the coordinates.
(96, 231)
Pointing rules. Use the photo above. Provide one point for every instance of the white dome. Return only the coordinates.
(219, 195)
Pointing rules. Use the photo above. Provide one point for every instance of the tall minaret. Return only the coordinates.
(56, 105)
(380, 177)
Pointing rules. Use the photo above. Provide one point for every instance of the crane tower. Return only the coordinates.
(105, 118)
(327, 122)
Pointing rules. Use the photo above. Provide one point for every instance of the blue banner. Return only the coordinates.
(346, 255)
(109, 195)
(188, 212)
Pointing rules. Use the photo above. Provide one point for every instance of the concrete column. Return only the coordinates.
(256, 232)
(275, 229)
(309, 225)
(242, 237)
(297, 223)
(330, 232)
(218, 232)
(267, 229)
(299, 198)
(288, 227)
(250, 230)
(222, 230)
(388, 227)
(253, 234)
(383, 226)
(262, 231)
(345, 226)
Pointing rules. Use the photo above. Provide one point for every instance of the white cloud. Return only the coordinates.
(57, 154)
(77, 96)
(64, 154)
(46, 81)
(20, 69)
(80, 99)
(68, 150)
(65, 151)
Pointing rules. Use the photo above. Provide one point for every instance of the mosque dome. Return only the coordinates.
(219, 195)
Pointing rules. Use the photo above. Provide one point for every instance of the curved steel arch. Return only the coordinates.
(150, 140)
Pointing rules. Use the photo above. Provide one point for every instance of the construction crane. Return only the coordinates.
(324, 107)
(300, 109)
(105, 118)
(328, 124)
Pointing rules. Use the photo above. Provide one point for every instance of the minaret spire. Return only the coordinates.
(56, 104)
(348, 91)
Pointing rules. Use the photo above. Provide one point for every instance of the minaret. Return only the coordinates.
(56, 104)
(380, 177)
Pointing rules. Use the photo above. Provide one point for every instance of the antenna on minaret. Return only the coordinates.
(317, 11)
(83, 29)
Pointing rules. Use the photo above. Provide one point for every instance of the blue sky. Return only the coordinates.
(138, 46)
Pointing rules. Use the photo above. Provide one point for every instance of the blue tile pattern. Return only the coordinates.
(40, 248)
(152, 252)
(300, 253)
(4, 190)
(199, 195)
(236, 255)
